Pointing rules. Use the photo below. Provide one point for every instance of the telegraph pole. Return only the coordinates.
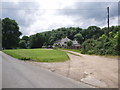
(108, 17)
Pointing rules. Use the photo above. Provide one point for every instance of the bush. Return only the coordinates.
(91, 52)
(89, 46)
(69, 43)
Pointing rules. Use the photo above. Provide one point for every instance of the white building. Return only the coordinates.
(63, 42)
(75, 43)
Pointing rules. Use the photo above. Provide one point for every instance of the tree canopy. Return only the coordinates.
(37, 40)
(69, 43)
(10, 33)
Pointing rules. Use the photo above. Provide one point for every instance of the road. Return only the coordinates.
(20, 74)
(0, 71)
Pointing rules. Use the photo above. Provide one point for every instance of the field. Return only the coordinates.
(39, 55)
(75, 50)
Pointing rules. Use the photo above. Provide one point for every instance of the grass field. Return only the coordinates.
(75, 50)
(39, 55)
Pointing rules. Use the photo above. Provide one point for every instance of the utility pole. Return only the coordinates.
(108, 17)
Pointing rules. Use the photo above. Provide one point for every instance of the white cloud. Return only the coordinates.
(45, 15)
(49, 20)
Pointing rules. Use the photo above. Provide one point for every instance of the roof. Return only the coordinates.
(66, 39)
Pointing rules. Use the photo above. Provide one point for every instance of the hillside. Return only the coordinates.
(94, 40)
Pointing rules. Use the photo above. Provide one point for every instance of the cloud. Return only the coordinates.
(40, 16)
(22, 12)
(91, 10)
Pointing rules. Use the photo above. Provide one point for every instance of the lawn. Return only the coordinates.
(39, 55)
(75, 50)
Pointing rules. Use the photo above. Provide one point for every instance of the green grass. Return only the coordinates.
(39, 55)
(75, 50)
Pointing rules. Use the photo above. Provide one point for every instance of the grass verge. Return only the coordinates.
(75, 50)
(73, 53)
(39, 55)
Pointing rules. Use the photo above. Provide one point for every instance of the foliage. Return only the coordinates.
(106, 44)
(22, 44)
(88, 46)
(79, 38)
(118, 44)
(69, 43)
(10, 33)
(36, 41)
(26, 41)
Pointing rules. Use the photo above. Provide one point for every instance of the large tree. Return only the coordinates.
(79, 38)
(37, 40)
(10, 33)
(25, 40)
(22, 44)
(69, 43)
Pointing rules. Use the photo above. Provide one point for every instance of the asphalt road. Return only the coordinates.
(20, 74)
(0, 70)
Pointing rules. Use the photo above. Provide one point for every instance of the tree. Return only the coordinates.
(26, 39)
(10, 33)
(37, 40)
(22, 44)
(88, 46)
(103, 38)
(92, 32)
(72, 32)
(79, 38)
(118, 45)
(69, 43)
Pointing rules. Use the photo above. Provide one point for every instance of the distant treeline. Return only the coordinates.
(94, 40)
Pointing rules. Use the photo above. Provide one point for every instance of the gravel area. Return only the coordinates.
(88, 69)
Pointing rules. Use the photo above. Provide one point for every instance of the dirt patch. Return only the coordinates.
(102, 69)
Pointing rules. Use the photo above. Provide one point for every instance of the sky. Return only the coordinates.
(34, 16)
